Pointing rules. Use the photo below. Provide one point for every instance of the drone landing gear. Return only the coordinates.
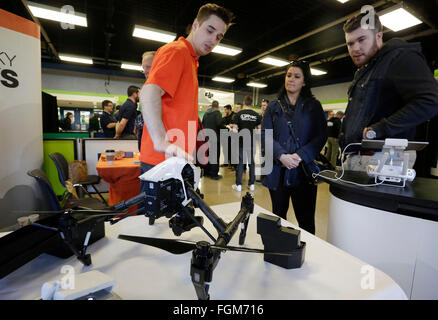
(204, 260)
(68, 228)
(183, 222)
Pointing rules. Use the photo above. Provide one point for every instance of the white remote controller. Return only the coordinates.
(80, 286)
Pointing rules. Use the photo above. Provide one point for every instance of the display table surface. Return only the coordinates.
(418, 198)
(122, 177)
(394, 229)
(143, 272)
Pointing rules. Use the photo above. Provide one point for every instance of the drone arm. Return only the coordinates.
(245, 209)
(242, 234)
(226, 236)
(187, 212)
(218, 223)
(130, 202)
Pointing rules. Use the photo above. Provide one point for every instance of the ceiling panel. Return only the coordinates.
(258, 27)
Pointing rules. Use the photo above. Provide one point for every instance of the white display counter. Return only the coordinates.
(394, 229)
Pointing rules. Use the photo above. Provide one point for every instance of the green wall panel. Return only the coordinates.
(64, 147)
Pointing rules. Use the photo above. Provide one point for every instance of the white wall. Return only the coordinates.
(53, 79)
(21, 141)
(332, 92)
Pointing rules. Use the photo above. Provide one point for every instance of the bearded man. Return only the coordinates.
(393, 90)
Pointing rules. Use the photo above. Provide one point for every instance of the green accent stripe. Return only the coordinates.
(334, 101)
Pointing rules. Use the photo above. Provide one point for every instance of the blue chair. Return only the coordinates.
(49, 193)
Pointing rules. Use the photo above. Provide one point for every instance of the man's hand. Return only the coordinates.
(290, 161)
(364, 133)
(172, 150)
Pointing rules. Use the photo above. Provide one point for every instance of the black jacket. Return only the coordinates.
(310, 127)
(212, 119)
(393, 94)
(333, 127)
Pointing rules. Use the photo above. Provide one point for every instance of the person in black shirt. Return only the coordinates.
(212, 119)
(127, 115)
(333, 131)
(67, 121)
(94, 124)
(246, 119)
(226, 122)
(107, 120)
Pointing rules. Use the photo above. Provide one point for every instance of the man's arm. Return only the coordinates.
(111, 125)
(414, 82)
(120, 126)
(150, 99)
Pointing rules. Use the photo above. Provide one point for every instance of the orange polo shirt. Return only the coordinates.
(175, 70)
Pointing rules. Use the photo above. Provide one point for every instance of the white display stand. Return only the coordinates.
(403, 247)
(21, 141)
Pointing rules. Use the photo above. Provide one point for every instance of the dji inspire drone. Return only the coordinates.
(172, 193)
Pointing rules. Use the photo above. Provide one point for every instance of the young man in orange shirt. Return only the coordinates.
(169, 98)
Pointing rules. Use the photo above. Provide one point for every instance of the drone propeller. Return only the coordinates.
(183, 246)
(92, 212)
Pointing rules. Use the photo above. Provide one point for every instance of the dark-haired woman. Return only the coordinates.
(296, 112)
(66, 123)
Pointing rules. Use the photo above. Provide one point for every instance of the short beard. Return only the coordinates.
(371, 53)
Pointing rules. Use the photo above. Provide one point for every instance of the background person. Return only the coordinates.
(246, 119)
(66, 123)
(333, 131)
(226, 122)
(307, 119)
(107, 120)
(146, 64)
(94, 124)
(127, 115)
(212, 119)
(264, 106)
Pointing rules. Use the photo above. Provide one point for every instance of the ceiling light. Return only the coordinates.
(256, 85)
(274, 61)
(153, 34)
(75, 59)
(57, 14)
(226, 49)
(343, 1)
(130, 66)
(317, 72)
(222, 79)
(397, 18)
